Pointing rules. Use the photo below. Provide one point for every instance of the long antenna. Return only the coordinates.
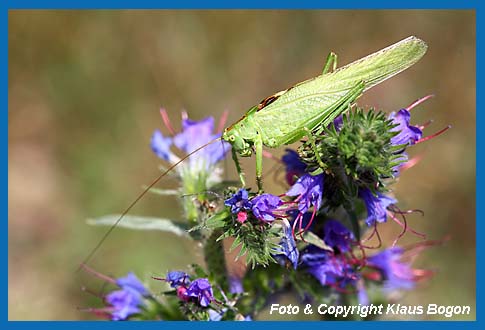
(154, 182)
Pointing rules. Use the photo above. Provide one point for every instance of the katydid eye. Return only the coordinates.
(232, 138)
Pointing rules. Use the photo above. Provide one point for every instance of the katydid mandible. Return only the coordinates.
(289, 115)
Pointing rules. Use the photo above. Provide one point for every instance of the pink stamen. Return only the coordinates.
(410, 163)
(375, 232)
(398, 211)
(426, 124)
(360, 262)
(311, 219)
(425, 244)
(159, 278)
(421, 274)
(99, 275)
(96, 294)
(297, 219)
(166, 121)
(269, 155)
(101, 312)
(405, 227)
(373, 276)
(418, 102)
(423, 236)
(222, 121)
(434, 135)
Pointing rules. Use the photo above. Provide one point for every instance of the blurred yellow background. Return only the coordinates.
(85, 88)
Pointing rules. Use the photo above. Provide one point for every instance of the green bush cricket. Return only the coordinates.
(317, 101)
(292, 114)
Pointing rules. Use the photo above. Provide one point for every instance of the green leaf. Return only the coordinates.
(141, 223)
(217, 220)
(315, 240)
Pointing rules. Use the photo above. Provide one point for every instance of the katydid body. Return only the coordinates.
(288, 116)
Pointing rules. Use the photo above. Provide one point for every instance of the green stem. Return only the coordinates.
(215, 259)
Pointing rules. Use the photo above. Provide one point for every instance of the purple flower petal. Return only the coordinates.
(202, 290)
(337, 235)
(131, 282)
(239, 201)
(235, 285)
(194, 134)
(376, 206)
(327, 268)
(362, 296)
(177, 278)
(264, 205)
(408, 134)
(397, 275)
(124, 303)
(309, 190)
(288, 246)
(216, 315)
(161, 145)
(338, 123)
(294, 166)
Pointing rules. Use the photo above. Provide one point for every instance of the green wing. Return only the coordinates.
(309, 103)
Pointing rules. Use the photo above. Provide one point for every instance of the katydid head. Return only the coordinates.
(238, 143)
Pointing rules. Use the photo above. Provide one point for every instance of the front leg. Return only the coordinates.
(258, 146)
(238, 167)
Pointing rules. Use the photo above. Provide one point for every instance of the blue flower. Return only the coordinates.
(408, 134)
(202, 291)
(338, 123)
(239, 201)
(197, 133)
(194, 134)
(337, 236)
(376, 206)
(177, 278)
(264, 205)
(309, 190)
(397, 274)
(294, 166)
(124, 304)
(328, 269)
(131, 282)
(288, 246)
(161, 145)
(235, 285)
(216, 315)
(362, 296)
(129, 299)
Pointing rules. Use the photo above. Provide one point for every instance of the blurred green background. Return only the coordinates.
(85, 88)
